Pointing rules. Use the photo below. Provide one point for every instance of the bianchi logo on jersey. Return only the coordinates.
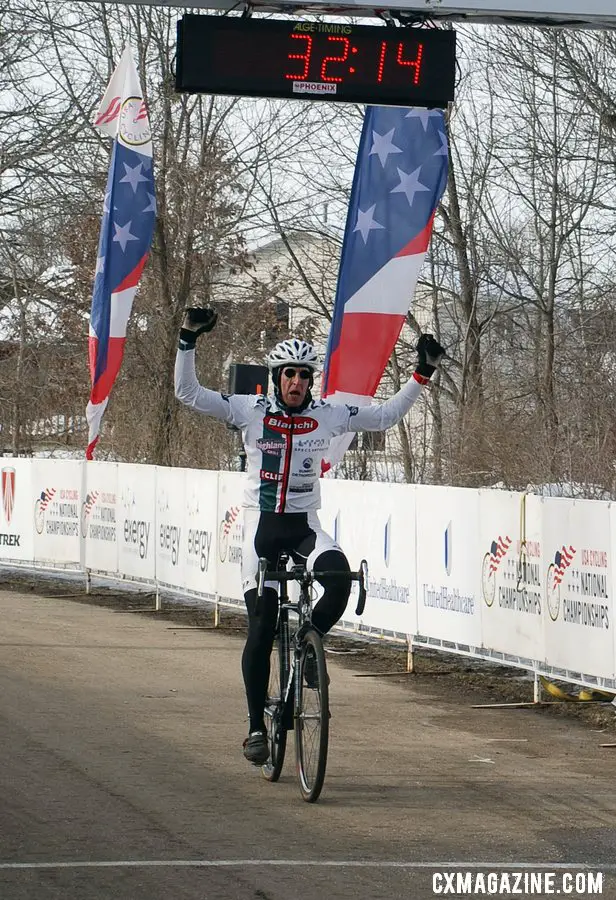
(298, 424)
(273, 448)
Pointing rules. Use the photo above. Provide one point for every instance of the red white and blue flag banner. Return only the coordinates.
(400, 177)
(127, 226)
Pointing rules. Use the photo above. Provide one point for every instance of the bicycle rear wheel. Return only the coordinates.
(312, 717)
(274, 719)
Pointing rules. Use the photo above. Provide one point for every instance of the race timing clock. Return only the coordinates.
(383, 66)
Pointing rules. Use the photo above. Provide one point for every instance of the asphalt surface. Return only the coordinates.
(122, 777)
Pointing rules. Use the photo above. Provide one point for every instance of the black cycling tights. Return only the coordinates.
(261, 628)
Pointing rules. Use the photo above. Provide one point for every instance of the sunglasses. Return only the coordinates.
(304, 374)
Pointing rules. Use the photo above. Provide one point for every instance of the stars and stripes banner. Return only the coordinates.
(127, 226)
(400, 176)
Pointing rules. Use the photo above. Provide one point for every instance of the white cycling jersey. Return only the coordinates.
(284, 450)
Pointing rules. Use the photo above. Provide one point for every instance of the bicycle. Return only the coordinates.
(296, 701)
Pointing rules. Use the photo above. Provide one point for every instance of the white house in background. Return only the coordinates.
(302, 271)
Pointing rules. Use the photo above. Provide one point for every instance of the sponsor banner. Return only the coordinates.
(512, 604)
(99, 514)
(170, 529)
(448, 577)
(55, 504)
(16, 519)
(230, 534)
(376, 522)
(578, 585)
(200, 530)
(136, 521)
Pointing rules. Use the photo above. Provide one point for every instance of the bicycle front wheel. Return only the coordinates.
(312, 717)
(275, 726)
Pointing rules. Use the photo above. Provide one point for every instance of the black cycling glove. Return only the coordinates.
(429, 353)
(197, 320)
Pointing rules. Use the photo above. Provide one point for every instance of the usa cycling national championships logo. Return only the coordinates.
(226, 526)
(86, 509)
(490, 566)
(8, 492)
(134, 126)
(40, 506)
(556, 572)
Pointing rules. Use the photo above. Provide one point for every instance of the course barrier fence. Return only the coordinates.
(519, 579)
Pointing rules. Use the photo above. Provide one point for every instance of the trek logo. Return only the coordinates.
(299, 424)
(8, 492)
(270, 476)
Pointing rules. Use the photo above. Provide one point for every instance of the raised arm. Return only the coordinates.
(187, 387)
(381, 416)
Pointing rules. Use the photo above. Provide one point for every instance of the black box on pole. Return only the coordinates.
(245, 379)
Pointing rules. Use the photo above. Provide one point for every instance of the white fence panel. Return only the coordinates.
(16, 516)
(99, 516)
(578, 586)
(511, 582)
(56, 507)
(199, 545)
(137, 521)
(230, 532)
(448, 573)
(170, 525)
(376, 522)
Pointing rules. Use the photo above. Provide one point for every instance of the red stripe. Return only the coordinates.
(365, 345)
(115, 353)
(109, 114)
(419, 244)
(90, 448)
(288, 436)
(132, 279)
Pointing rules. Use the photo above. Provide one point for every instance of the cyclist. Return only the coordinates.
(286, 436)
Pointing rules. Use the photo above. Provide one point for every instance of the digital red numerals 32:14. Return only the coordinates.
(390, 53)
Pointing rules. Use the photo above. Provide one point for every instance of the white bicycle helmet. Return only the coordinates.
(292, 352)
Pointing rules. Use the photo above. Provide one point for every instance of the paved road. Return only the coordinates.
(121, 767)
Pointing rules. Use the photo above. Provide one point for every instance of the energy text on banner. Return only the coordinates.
(127, 226)
(400, 176)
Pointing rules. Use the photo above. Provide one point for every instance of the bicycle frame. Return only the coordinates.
(297, 650)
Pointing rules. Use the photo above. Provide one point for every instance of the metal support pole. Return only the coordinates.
(536, 688)
(217, 614)
(88, 581)
(410, 656)
(159, 604)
